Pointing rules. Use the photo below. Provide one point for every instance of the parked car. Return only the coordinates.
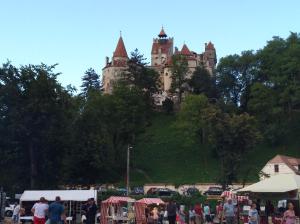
(122, 191)
(137, 191)
(152, 191)
(192, 191)
(162, 192)
(213, 191)
(9, 209)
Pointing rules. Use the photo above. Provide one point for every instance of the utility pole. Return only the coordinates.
(128, 170)
(2, 205)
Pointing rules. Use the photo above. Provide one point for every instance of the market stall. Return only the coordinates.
(72, 200)
(278, 187)
(112, 210)
(234, 196)
(142, 205)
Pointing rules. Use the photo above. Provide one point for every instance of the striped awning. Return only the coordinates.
(149, 201)
(232, 195)
(117, 199)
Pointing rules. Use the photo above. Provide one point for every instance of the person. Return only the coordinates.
(198, 213)
(192, 215)
(16, 213)
(91, 211)
(253, 215)
(258, 205)
(269, 210)
(228, 211)
(171, 210)
(181, 215)
(219, 213)
(39, 210)
(206, 211)
(150, 219)
(155, 215)
(56, 211)
(289, 216)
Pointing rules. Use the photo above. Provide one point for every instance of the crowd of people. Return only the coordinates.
(171, 213)
(55, 212)
(223, 213)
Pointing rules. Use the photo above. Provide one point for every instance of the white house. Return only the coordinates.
(280, 164)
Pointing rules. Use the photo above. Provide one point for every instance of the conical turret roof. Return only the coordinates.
(185, 50)
(120, 49)
(162, 33)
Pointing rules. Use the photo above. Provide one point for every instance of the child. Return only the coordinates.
(253, 214)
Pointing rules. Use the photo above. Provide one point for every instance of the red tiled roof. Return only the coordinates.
(185, 50)
(210, 46)
(120, 49)
(291, 162)
(162, 33)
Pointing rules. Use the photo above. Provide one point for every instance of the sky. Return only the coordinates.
(79, 34)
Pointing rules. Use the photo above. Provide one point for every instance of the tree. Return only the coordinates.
(232, 137)
(264, 106)
(228, 79)
(235, 76)
(140, 76)
(104, 128)
(90, 82)
(202, 82)
(179, 70)
(36, 113)
(196, 117)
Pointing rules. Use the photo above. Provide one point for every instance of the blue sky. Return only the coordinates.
(78, 34)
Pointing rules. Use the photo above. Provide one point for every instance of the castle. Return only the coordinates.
(161, 58)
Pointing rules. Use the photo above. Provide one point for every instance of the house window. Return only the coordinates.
(276, 168)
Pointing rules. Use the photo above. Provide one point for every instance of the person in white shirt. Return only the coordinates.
(39, 210)
(16, 212)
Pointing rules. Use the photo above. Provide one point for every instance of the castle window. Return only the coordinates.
(276, 168)
(166, 74)
(299, 167)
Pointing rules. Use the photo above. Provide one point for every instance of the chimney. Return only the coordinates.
(106, 60)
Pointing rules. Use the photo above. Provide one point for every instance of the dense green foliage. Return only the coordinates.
(245, 111)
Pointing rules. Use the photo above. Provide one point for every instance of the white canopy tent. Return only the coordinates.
(278, 187)
(280, 183)
(65, 195)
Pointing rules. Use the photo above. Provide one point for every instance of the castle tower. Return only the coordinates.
(191, 58)
(210, 56)
(162, 49)
(112, 70)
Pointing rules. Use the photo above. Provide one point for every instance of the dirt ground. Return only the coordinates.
(7, 220)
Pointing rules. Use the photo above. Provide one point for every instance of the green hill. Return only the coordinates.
(162, 155)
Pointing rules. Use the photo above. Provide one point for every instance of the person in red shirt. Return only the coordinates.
(198, 213)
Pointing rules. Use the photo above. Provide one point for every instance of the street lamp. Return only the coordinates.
(128, 169)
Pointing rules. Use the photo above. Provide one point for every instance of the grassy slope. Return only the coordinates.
(163, 155)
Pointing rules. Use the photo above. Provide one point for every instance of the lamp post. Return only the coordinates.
(128, 169)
